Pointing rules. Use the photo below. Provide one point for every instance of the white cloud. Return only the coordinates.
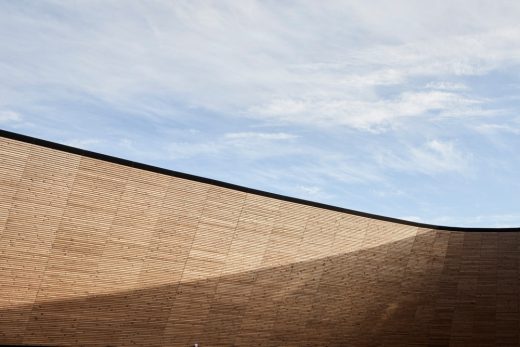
(324, 167)
(388, 192)
(369, 115)
(510, 220)
(179, 150)
(438, 156)
(259, 136)
(246, 58)
(506, 220)
(9, 117)
(83, 143)
(433, 157)
(449, 86)
(171, 150)
(248, 145)
(491, 129)
(309, 190)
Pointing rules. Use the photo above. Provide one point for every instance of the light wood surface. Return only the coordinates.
(100, 254)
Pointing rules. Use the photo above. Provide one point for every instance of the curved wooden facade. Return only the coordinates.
(99, 253)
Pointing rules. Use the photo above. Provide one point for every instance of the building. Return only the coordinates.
(101, 251)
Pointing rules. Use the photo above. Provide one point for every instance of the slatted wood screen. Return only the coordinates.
(101, 254)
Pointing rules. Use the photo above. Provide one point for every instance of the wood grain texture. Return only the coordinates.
(100, 254)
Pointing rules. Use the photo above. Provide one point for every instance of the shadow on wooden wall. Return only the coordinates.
(436, 289)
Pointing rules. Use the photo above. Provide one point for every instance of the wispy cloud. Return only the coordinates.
(510, 220)
(491, 129)
(276, 68)
(450, 86)
(259, 136)
(9, 117)
(438, 156)
(247, 145)
(430, 158)
(83, 143)
(334, 169)
(311, 193)
(368, 115)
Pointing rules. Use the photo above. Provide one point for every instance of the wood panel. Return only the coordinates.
(97, 253)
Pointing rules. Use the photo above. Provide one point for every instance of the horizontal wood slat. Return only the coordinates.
(98, 253)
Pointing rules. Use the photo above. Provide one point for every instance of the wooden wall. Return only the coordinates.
(97, 253)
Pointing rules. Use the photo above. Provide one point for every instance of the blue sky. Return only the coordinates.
(402, 108)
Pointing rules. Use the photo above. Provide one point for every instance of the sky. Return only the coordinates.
(407, 109)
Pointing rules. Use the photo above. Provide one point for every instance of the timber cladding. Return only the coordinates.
(96, 253)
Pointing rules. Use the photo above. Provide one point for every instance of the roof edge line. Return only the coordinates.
(168, 172)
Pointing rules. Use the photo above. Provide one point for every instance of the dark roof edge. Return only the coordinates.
(125, 162)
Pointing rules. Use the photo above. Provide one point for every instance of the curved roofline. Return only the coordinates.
(130, 163)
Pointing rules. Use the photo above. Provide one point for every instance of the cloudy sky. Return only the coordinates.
(402, 108)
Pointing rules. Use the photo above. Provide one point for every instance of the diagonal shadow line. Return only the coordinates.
(433, 289)
(345, 299)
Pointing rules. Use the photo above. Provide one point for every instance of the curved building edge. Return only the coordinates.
(156, 169)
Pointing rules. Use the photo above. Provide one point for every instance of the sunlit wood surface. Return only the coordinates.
(100, 254)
